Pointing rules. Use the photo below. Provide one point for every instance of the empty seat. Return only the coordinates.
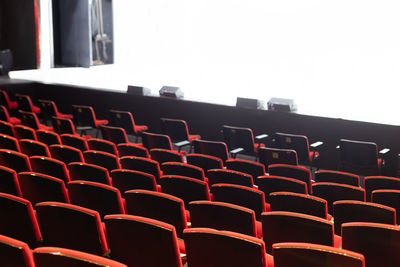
(49, 109)
(183, 169)
(155, 243)
(210, 247)
(103, 159)
(333, 192)
(62, 257)
(6, 128)
(153, 140)
(268, 156)
(379, 243)
(48, 137)
(206, 162)
(283, 226)
(188, 189)
(71, 226)
(66, 154)
(14, 160)
(389, 198)
(102, 145)
(50, 167)
(85, 119)
(100, 197)
(126, 180)
(5, 101)
(224, 216)
(240, 195)
(178, 131)
(31, 120)
(314, 255)
(211, 148)
(224, 176)
(141, 164)
(24, 132)
(25, 103)
(37, 187)
(116, 135)
(9, 182)
(8, 142)
(5, 116)
(89, 172)
(125, 120)
(270, 184)
(164, 155)
(380, 182)
(296, 172)
(328, 176)
(15, 253)
(63, 125)
(19, 219)
(252, 168)
(34, 148)
(158, 206)
(241, 140)
(130, 149)
(300, 203)
(74, 141)
(357, 211)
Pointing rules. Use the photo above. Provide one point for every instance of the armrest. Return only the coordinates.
(182, 143)
(316, 144)
(236, 150)
(384, 151)
(261, 136)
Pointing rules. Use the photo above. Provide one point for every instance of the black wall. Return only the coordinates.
(207, 119)
(18, 33)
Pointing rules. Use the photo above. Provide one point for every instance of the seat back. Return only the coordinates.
(283, 226)
(380, 182)
(126, 180)
(102, 145)
(209, 247)
(296, 172)
(89, 172)
(6, 128)
(48, 109)
(158, 206)
(269, 184)
(19, 219)
(66, 154)
(298, 143)
(177, 130)
(238, 137)
(359, 157)
(5, 100)
(63, 125)
(141, 164)
(74, 141)
(48, 137)
(379, 243)
(4, 115)
(103, 159)
(50, 167)
(9, 182)
(14, 160)
(34, 148)
(24, 132)
(71, 226)
(188, 189)
(389, 198)
(183, 169)
(224, 176)
(152, 140)
(268, 156)
(100, 197)
(300, 203)
(117, 135)
(211, 148)
(338, 177)
(123, 119)
(314, 255)
(30, 119)
(8, 142)
(62, 257)
(206, 162)
(163, 155)
(15, 253)
(84, 116)
(357, 211)
(333, 192)
(24, 103)
(155, 243)
(222, 216)
(129, 149)
(240, 195)
(252, 168)
(37, 187)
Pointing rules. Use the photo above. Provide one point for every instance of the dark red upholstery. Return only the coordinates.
(183, 169)
(33, 148)
(224, 176)
(252, 168)
(25, 104)
(8, 142)
(5, 100)
(269, 184)
(130, 149)
(25, 132)
(141, 164)
(164, 155)
(388, 197)
(206, 162)
(103, 159)
(49, 110)
(48, 137)
(15, 253)
(125, 120)
(9, 182)
(126, 180)
(117, 135)
(211, 148)
(14, 160)
(30, 119)
(268, 156)
(338, 177)
(50, 167)
(153, 140)
(5, 116)
(89, 172)
(74, 141)
(380, 182)
(102, 145)
(66, 154)
(6, 128)
(296, 172)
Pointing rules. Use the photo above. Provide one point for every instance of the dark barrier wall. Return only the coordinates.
(207, 119)
(17, 32)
